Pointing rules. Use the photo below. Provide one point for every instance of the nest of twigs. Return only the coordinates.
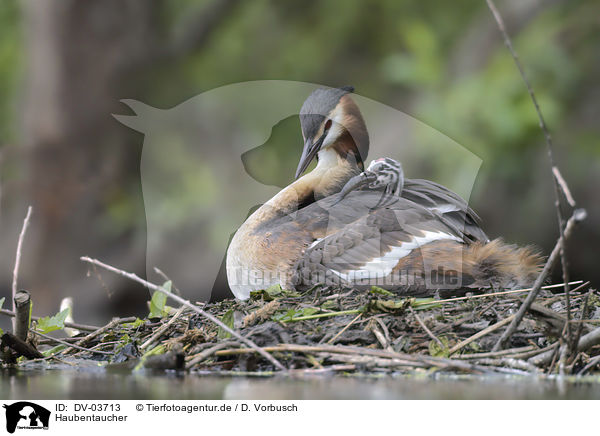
(351, 331)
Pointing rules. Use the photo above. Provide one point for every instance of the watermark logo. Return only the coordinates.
(210, 161)
(25, 415)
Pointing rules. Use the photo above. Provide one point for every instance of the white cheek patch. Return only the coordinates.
(337, 116)
(382, 266)
(332, 135)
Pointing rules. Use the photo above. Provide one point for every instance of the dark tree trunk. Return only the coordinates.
(78, 158)
(75, 162)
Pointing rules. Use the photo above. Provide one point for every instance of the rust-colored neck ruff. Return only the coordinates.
(258, 256)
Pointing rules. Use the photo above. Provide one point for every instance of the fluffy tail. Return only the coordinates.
(501, 266)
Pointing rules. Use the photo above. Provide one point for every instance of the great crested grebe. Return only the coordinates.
(346, 226)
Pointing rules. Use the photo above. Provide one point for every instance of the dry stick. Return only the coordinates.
(429, 332)
(386, 332)
(370, 360)
(398, 358)
(203, 355)
(322, 370)
(261, 314)
(89, 328)
(586, 341)
(589, 340)
(18, 259)
(578, 215)
(332, 340)
(51, 341)
(562, 361)
(584, 310)
(164, 276)
(563, 186)
(548, 315)
(557, 182)
(481, 334)
(511, 352)
(196, 309)
(102, 330)
(510, 362)
(60, 341)
(515, 353)
(22, 304)
(494, 294)
(378, 334)
(21, 347)
(157, 334)
(593, 362)
(555, 353)
(530, 354)
(583, 285)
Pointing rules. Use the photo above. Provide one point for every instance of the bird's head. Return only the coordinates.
(331, 120)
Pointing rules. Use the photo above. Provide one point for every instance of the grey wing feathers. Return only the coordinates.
(454, 209)
(375, 241)
(386, 176)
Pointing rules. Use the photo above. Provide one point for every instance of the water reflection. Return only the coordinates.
(93, 382)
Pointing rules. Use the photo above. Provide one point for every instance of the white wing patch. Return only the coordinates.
(445, 208)
(316, 241)
(382, 266)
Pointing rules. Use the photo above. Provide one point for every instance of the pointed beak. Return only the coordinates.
(308, 154)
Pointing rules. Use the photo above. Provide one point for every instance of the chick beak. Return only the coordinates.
(308, 154)
(355, 183)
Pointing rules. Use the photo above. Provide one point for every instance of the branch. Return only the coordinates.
(578, 215)
(184, 302)
(65, 343)
(22, 303)
(18, 257)
(21, 347)
(84, 327)
(586, 342)
(558, 182)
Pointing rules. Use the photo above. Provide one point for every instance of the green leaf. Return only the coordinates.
(381, 291)
(135, 324)
(290, 294)
(475, 347)
(268, 294)
(307, 311)
(158, 302)
(436, 351)
(2, 302)
(227, 319)
(292, 314)
(424, 303)
(159, 349)
(124, 340)
(274, 291)
(54, 350)
(399, 306)
(387, 306)
(329, 304)
(285, 316)
(51, 323)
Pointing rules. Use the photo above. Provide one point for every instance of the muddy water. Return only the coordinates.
(97, 383)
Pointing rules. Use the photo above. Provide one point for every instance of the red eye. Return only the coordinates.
(327, 125)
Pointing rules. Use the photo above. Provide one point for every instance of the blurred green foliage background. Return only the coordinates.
(442, 62)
